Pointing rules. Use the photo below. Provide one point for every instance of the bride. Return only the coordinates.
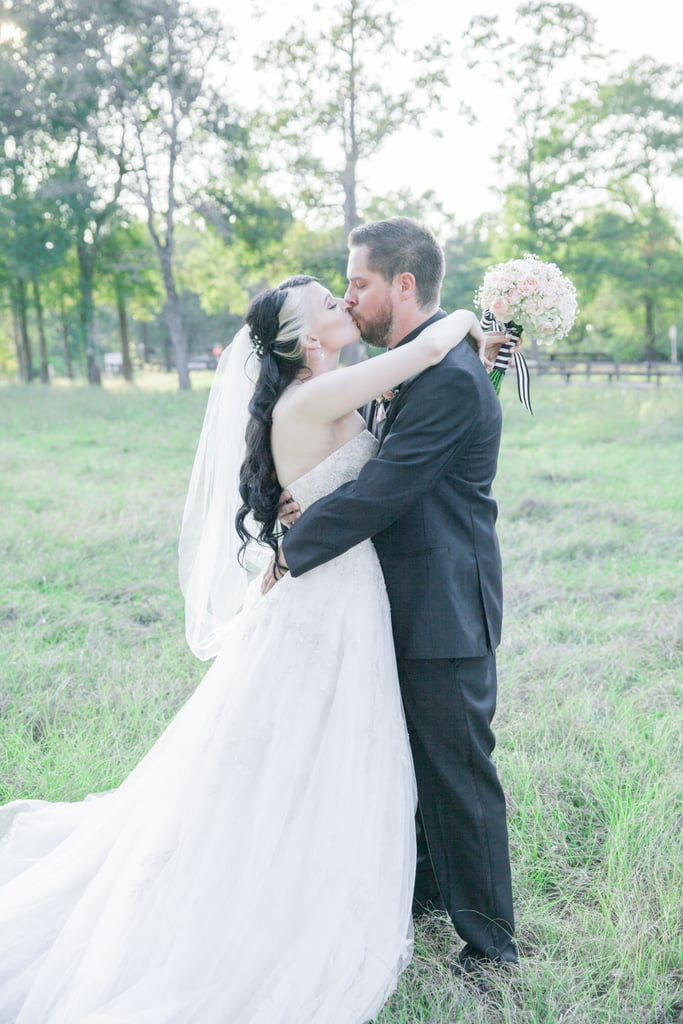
(257, 865)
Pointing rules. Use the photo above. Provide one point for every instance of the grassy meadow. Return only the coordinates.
(93, 663)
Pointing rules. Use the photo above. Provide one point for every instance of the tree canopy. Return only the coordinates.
(141, 206)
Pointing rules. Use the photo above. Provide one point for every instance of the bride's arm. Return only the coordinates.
(330, 395)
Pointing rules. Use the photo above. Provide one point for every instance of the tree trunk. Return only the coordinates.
(44, 368)
(351, 218)
(68, 366)
(175, 322)
(123, 330)
(87, 313)
(650, 340)
(16, 330)
(144, 342)
(27, 358)
(166, 343)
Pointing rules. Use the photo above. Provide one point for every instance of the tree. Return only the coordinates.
(33, 246)
(179, 121)
(121, 98)
(246, 241)
(633, 132)
(14, 276)
(635, 127)
(127, 273)
(64, 125)
(8, 354)
(335, 80)
(632, 255)
(542, 151)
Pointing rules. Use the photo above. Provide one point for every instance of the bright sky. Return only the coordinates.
(458, 167)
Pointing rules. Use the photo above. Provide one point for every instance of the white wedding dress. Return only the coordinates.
(257, 866)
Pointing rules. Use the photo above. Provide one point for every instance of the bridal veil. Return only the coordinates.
(212, 580)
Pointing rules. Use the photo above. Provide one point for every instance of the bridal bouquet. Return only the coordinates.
(525, 295)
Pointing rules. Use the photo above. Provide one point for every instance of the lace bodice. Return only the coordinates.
(342, 465)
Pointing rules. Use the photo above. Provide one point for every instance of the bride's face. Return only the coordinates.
(329, 319)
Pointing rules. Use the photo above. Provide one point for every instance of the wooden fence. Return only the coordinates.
(587, 369)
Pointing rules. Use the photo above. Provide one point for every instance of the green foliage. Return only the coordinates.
(127, 263)
(628, 265)
(636, 122)
(248, 226)
(92, 129)
(541, 149)
(97, 151)
(591, 161)
(8, 359)
(210, 270)
(334, 74)
(321, 253)
(468, 252)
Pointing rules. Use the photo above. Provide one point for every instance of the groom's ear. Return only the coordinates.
(405, 284)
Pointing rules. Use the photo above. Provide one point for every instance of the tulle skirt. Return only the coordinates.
(257, 866)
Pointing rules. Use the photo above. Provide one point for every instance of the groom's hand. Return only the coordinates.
(288, 511)
(275, 571)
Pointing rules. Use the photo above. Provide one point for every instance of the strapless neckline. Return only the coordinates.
(339, 467)
(329, 458)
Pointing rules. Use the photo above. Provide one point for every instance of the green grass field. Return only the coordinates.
(589, 725)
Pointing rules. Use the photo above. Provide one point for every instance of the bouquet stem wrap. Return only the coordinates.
(490, 323)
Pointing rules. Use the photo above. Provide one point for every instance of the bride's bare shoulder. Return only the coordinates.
(285, 409)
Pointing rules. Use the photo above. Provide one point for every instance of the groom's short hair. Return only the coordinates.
(401, 245)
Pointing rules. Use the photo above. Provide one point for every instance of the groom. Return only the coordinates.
(426, 502)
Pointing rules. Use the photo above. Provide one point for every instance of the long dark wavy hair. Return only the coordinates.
(276, 320)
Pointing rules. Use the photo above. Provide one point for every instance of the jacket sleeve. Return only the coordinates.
(436, 416)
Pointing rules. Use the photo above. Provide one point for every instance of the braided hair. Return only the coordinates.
(276, 321)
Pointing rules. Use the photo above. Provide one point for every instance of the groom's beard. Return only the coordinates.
(378, 331)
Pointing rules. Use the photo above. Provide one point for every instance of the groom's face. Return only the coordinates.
(370, 298)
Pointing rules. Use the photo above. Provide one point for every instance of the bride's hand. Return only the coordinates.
(463, 323)
(276, 569)
(484, 338)
(288, 511)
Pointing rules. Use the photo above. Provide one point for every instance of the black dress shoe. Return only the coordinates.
(472, 960)
(479, 971)
(472, 974)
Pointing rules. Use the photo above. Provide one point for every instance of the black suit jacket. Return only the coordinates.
(426, 501)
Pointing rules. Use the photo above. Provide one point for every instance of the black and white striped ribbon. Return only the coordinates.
(489, 322)
(523, 381)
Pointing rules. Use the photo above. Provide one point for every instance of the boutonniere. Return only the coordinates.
(388, 396)
(383, 401)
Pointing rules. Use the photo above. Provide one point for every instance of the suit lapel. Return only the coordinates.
(369, 414)
(381, 428)
(405, 386)
(392, 410)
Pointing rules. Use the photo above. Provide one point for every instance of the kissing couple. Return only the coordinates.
(331, 777)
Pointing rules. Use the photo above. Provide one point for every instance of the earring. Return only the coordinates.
(321, 354)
